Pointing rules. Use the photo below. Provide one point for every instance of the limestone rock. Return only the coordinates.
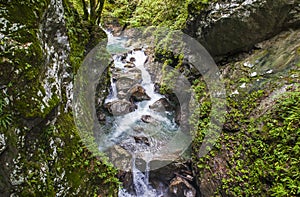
(228, 27)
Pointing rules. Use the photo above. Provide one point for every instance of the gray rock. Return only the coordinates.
(120, 107)
(124, 84)
(138, 93)
(126, 81)
(228, 27)
(161, 105)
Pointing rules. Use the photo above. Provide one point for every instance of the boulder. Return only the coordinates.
(229, 27)
(161, 105)
(125, 81)
(120, 107)
(138, 93)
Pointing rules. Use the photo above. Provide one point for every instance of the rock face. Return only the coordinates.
(40, 150)
(228, 27)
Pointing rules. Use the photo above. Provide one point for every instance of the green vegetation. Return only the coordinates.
(90, 10)
(5, 117)
(63, 157)
(259, 146)
(257, 154)
(267, 162)
(164, 13)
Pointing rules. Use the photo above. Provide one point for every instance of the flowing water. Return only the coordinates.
(124, 127)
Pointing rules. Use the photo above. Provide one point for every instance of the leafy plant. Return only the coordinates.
(166, 13)
(5, 117)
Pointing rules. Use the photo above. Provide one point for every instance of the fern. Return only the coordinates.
(5, 118)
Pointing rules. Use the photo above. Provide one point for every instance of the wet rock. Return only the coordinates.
(123, 57)
(134, 73)
(132, 59)
(147, 119)
(138, 93)
(129, 65)
(122, 95)
(101, 115)
(127, 181)
(161, 105)
(120, 157)
(277, 54)
(120, 107)
(142, 140)
(181, 187)
(125, 81)
(242, 23)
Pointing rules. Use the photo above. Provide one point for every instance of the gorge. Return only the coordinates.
(45, 152)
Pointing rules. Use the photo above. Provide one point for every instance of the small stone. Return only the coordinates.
(147, 119)
(248, 64)
(132, 59)
(235, 92)
(129, 65)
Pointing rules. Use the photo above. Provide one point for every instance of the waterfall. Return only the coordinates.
(122, 133)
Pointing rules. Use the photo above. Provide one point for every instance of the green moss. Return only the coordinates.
(167, 13)
(78, 34)
(52, 157)
(270, 153)
(259, 145)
